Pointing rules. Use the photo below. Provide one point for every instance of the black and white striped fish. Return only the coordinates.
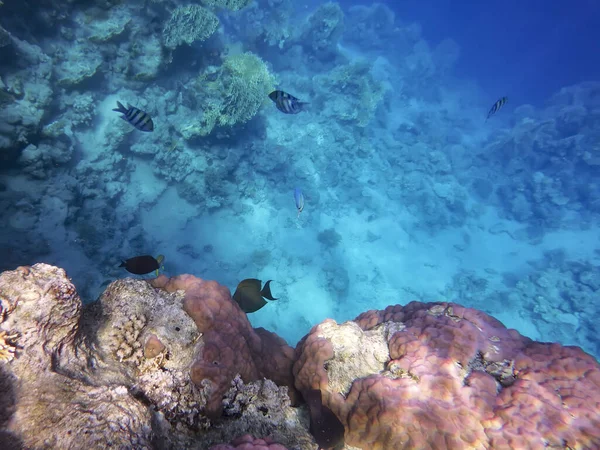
(136, 117)
(287, 103)
(497, 107)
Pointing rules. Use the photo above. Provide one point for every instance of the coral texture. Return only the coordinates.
(229, 343)
(247, 442)
(233, 5)
(41, 307)
(115, 374)
(322, 30)
(232, 96)
(459, 378)
(189, 24)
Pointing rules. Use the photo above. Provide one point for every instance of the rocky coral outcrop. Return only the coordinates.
(41, 312)
(177, 365)
(459, 378)
(230, 344)
(189, 24)
(247, 442)
(322, 31)
(116, 372)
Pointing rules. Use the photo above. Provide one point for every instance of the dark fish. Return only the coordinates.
(136, 117)
(497, 107)
(141, 265)
(325, 426)
(287, 103)
(299, 199)
(249, 295)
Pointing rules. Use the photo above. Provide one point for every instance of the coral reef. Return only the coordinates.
(407, 190)
(555, 142)
(371, 27)
(349, 93)
(189, 24)
(460, 378)
(247, 442)
(322, 31)
(274, 17)
(107, 386)
(240, 89)
(230, 344)
(233, 5)
(41, 305)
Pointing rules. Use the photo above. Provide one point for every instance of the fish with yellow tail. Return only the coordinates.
(496, 107)
(299, 199)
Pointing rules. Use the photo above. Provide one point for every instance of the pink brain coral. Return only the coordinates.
(247, 442)
(455, 378)
(229, 343)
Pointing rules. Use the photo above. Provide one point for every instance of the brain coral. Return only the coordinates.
(189, 24)
(441, 376)
(247, 442)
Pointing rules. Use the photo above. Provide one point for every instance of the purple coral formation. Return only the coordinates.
(230, 344)
(457, 378)
(247, 442)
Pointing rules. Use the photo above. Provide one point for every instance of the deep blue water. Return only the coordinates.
(530, 49)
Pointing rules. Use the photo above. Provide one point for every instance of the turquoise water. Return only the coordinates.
(410, 193)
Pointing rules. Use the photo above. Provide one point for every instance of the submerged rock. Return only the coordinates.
(116, 373)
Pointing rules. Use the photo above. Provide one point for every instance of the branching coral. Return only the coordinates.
(233, 5)
(189, 24)
(235, 96)
(247, 81)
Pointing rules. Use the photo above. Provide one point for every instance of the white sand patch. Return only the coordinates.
(166, 219)
(144, 187)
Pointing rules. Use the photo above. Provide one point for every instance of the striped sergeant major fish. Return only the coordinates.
(299, 199)
(496, 107)
(136, 117)
(287, 103)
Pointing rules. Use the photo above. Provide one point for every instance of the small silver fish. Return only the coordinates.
(287, 103)
(136, 117)
(496, 107)
(299, 199)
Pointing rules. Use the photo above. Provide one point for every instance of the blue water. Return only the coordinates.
(410, 194)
